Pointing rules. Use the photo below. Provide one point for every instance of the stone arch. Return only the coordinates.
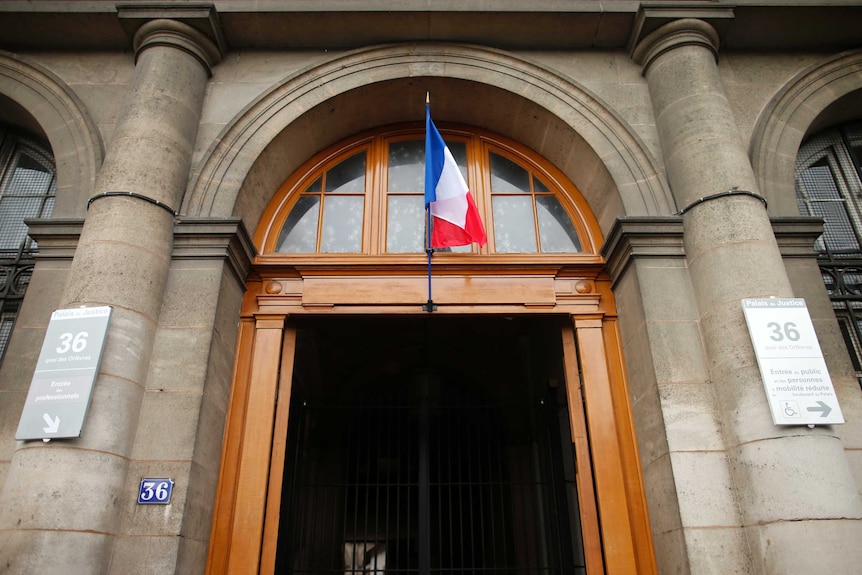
(556, 117)
(63, 121)
(787, 118)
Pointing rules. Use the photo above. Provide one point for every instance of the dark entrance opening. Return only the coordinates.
(429, 445)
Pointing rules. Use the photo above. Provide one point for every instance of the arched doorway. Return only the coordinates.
(540, 280)
(429, 444)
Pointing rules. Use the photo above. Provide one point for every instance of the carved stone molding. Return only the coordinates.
(683, 32)
(635, 237)
(194, 239)
(202, 19)
(215, 238)
(180, 36)
(646, 237)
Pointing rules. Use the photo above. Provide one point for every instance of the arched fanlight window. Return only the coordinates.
(366, 196)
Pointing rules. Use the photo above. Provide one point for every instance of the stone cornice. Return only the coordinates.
(57, 237)
(796, 235)
(194, 239)
(650, 237)
(637, 237)
(215, 238)
(516, 24)
(629, 238)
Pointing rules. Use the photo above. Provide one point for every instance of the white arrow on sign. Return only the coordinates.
(53, 424)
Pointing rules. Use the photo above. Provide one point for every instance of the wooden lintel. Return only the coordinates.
(401, 293)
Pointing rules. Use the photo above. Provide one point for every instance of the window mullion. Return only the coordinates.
(478, 168)
(536, 231)
(485, 200)
(376, 212)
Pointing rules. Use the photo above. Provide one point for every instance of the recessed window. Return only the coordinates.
(367, 197)
(829, 186)
(27, 188)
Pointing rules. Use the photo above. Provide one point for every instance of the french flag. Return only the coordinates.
(455, 217)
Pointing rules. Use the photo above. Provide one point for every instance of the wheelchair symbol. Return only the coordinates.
(790, 409)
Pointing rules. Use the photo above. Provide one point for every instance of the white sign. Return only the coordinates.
(792, 367)
(63, 381)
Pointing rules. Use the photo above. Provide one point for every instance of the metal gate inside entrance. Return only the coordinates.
(435, 445)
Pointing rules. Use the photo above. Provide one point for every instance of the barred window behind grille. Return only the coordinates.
(27, 188)
(829, 185)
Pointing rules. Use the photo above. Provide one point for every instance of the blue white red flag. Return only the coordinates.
(456, 220)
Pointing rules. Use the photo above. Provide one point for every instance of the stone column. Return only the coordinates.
(796, 495)
(62, 500)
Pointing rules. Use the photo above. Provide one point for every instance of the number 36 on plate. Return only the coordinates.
(155, 491)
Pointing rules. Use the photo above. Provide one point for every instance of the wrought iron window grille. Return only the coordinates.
(27, 188)
(829, 185)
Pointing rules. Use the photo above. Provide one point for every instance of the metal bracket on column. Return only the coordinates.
(731, 192)
(153, 201)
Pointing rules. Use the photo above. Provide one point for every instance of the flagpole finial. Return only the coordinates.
(427, 98)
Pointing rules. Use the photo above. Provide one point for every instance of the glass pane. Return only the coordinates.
(857, 155)
(29, 178)
(540, 187)
(818, 182)
(556, 231)
(459, 152)
(342, 224)
(407, 166)
(314, 188)
(299, 234)
(13, 211)
(458, 249)
(405, 231)
(507, 177)
(8, 313)
(48, 206)
(838, 231)
(854, 135)
(513, 225)
(348, 177)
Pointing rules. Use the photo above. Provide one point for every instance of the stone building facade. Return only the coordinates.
(174, 145)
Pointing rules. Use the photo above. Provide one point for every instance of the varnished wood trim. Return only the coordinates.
(635, 494)
(254, 462)
(220, 533)
(608, 471)
(405, 290)
(583, 465)
(279, 444)
(617, 537)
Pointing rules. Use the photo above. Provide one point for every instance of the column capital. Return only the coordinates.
(682, 32)
(164, 32)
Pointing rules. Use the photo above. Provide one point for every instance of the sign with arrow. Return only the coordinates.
(792, 367)
(63, 381)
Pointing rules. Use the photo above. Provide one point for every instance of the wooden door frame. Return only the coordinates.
(617, 537)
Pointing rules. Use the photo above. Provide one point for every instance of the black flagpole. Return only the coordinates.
(430, 305)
